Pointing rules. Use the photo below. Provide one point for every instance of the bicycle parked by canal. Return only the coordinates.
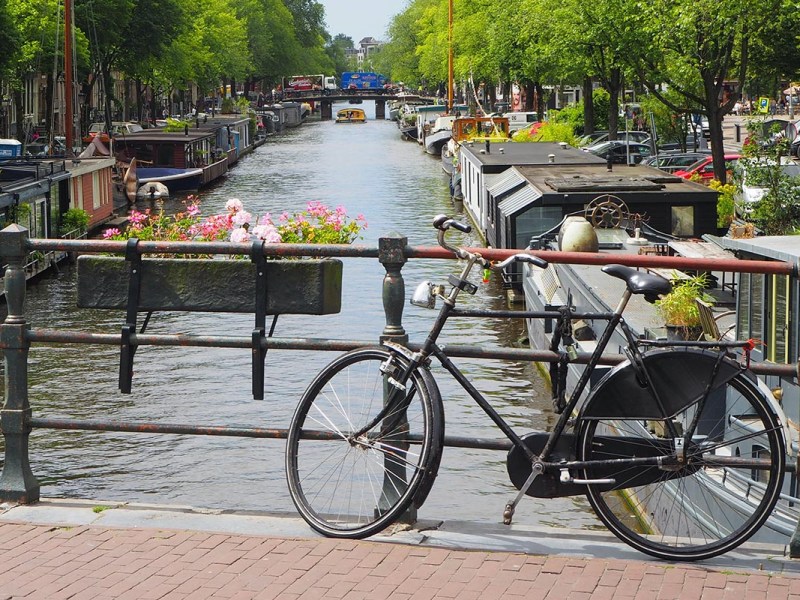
(679, 452)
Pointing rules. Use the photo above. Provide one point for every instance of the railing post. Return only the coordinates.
(391, 254)
(17, 482)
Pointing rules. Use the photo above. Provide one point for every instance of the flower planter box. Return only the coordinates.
(309, 287)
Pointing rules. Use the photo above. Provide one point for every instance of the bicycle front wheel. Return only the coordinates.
(705, 506)
(352, 486)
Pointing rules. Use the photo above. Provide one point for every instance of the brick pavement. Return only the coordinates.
(79, 563)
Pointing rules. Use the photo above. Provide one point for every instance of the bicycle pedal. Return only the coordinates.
(508, 514)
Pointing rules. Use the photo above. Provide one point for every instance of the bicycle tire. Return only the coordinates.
(685, 512)
(350, 488)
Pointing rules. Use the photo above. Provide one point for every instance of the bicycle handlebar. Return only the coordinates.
(443, 223)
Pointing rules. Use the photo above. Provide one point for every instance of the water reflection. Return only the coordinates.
(369, 170)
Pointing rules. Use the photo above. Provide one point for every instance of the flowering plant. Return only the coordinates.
(317, 224)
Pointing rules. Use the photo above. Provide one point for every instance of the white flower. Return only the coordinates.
(241, 218)
(240, 235)
(267, 233)
(234, 205)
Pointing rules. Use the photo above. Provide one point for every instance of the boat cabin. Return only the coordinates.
(193, 148)
(478, 161)
(351, 115)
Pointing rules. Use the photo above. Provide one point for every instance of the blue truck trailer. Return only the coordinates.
(359, 80)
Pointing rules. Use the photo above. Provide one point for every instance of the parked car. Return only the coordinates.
(42, 149)
(620, 152)
(598, 137)
(692, 143)
(771, 131)
(673, 161)
(704, 168)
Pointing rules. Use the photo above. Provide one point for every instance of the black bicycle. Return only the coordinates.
(678, 451)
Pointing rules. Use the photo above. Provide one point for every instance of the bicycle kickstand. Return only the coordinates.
(536, 469)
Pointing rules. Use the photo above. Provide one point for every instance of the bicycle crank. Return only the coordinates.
(537, 469)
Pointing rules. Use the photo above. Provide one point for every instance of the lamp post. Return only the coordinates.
(5, 104)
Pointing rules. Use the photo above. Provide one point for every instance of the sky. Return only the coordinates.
(361, 18)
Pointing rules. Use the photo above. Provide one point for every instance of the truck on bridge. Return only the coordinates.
(361, 80)
(298, 86)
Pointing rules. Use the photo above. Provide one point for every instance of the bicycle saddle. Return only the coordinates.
(639, 282)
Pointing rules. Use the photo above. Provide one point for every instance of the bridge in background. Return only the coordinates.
(326, 98)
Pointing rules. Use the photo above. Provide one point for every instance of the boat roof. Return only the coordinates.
(595, 178)
(779, 247)
(174, 137)
(510, 153)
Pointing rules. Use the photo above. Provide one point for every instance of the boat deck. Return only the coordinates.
(603, 292)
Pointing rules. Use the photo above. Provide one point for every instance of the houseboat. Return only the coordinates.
(479, 162)
(475, 129)
(192, 149)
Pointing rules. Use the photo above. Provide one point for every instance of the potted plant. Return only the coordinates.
(679, 307)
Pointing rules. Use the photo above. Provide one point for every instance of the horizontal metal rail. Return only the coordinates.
(361, 251)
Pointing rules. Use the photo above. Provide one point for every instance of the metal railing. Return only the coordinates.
(17, 481)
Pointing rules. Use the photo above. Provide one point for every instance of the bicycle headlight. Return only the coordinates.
(424, 295)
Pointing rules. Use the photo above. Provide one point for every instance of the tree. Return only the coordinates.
(39, 30)
(696, 47)
(121, 38)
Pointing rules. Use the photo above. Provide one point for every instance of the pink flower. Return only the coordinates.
(193, 210)
(109, 233)
(234, 205)
(240, 235)
(267, 233)
(241, 218)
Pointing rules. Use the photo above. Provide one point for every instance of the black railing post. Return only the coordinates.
(391, 254)
(17, 482)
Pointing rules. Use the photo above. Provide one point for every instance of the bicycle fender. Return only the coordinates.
(405, 355)
(680, 376)
(437, 413)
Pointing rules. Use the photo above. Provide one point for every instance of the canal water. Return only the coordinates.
(369, 170)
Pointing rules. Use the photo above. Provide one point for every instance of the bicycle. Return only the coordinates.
(680, 454)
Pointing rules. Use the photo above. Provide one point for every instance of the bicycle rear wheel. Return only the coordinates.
(704, 507)
(352, 487)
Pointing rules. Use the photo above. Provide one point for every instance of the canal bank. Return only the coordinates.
(84, 549)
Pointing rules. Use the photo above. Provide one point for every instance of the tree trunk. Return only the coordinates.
(588, 106)
(539, 99)
(715, 114)
(530, 96)
(614, 87)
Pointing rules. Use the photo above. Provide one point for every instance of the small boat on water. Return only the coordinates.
(177, 180)
(351, 115)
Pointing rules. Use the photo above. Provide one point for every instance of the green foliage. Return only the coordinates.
(725, 204)
(549, 132)
(679, 307)
(177, 125)
(601, 100)
(571, 115)
(778, 210)
(75, 219)
(227, 105)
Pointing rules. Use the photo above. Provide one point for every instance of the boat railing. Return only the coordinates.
(17, 333)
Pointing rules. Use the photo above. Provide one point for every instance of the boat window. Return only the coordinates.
(750, 312)
(682, 220)
(777, 319)
(535, 221)
(760, 475)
